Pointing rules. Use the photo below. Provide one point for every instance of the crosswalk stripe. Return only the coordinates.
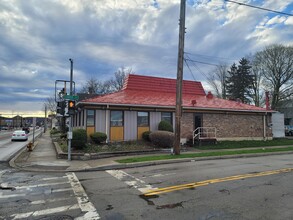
(10, 196)
(82, 199)
(38, 202)
(44, 212)
(53, 178)
(40, 185)
(136, 183)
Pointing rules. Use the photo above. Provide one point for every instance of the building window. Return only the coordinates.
(116, 118)
(90, 118)
(167, 116)
(142, 119)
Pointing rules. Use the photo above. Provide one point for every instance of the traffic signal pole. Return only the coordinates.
(69, 136)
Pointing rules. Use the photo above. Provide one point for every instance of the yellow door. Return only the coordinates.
(140, 130)
(116, 134)
(90, 130)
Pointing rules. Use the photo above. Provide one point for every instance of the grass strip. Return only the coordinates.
(247, 144)
(202, 154)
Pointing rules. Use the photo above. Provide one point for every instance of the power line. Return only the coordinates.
(261, 8)
(209, 57)
(196, 61)
(189, 69)
(196, 67)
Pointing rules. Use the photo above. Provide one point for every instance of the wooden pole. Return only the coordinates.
(178, 112)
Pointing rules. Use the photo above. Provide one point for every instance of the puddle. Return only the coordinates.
(225, 191)
(170, 206)
(147, 198)
(2, 187)
(109, 207)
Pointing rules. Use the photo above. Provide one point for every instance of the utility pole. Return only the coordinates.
(178, 111)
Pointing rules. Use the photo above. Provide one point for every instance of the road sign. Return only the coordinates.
(71, 97)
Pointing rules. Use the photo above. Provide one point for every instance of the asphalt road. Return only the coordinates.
(46, 196)
(246, 188)
(8, 148)
(251, 188)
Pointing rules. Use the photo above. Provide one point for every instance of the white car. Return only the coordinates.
(19, 136)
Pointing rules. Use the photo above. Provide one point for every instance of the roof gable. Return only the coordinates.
(158, 84)
(151, 91)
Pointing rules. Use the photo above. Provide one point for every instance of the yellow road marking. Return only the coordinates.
(211, 181)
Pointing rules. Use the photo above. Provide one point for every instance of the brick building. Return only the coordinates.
(144, 101)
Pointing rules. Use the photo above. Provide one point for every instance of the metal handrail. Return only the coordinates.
(201, 132)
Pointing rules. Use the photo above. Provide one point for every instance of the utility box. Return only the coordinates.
(278, 127)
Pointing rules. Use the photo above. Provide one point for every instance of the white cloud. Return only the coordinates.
(38, 37)
(289, 21)
(276, 20)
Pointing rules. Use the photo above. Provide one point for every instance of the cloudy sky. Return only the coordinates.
(37, 38)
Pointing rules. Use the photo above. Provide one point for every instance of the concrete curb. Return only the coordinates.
(92, 156)
(17, 154)
(162, 162)
(152, 163)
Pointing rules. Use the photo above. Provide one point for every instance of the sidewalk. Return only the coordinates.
(43, 158)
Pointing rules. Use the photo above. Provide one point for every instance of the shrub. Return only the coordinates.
(79, 138)
(165, 126)
(98, 137)
(63, 135)
(146, 135)
(54, 131)
(162, 138)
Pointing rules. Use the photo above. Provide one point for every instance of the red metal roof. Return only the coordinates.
(154, 91)
(157, 84)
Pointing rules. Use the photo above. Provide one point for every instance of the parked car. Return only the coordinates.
(288, 130)
(26, 129)
(19, 135)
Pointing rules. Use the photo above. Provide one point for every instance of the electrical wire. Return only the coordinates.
(261, 8)
(189, 69)
(196, 66)
(209, 57)
(196, 61)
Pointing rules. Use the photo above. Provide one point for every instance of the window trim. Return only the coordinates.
(87, 117)
(122, 124)
(171, 114)
(148, 115)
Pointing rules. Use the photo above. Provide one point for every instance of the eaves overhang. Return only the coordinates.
(184, 107)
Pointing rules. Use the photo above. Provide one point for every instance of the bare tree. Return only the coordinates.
(93, 86)
(276, 64)
(258, 89)
(116, 83)
(217, 80)
(51, 105)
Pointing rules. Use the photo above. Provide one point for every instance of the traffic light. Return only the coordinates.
(71, 107)
(61, 108)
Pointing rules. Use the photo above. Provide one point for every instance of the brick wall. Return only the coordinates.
(229, 126)
(187, 125)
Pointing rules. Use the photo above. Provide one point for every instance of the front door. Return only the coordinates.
(197, 120)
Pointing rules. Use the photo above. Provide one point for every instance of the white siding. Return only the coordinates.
(278, 126)
(155, 118)
(130, 125)
(100, 121)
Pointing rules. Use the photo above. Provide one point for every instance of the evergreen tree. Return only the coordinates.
(239, 81)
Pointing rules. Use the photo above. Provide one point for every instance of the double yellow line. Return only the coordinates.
(211, 181)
